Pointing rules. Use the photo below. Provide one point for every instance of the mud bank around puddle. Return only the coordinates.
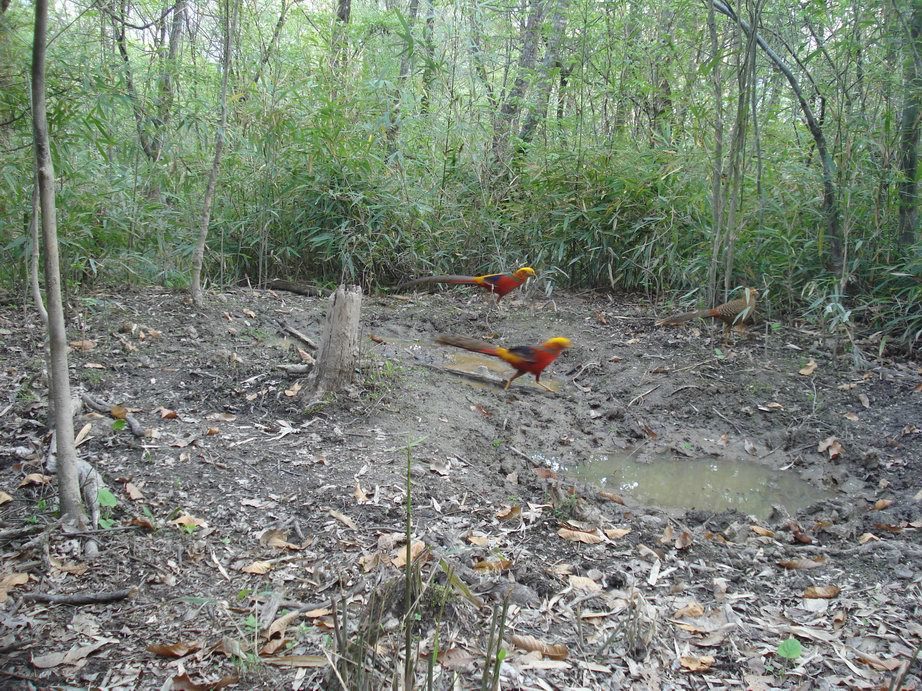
(579, 561)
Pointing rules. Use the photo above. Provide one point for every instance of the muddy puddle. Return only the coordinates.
(689, 483)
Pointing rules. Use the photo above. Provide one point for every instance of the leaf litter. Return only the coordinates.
(273, 529)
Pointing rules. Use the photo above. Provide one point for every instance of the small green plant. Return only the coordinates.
(567, 507)
(788, 650)
(107, 501)
(119, 425)
(93, 377)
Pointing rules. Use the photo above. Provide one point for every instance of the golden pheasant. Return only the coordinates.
(498, 284)
(736, 312)
(525, 359)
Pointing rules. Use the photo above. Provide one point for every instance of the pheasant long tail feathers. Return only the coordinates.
(471, 344)
(682, 318)
(439, 279)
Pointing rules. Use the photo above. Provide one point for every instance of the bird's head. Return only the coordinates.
(750, 295)
(557, 344)
(524, 273)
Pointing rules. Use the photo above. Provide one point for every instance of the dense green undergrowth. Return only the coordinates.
(610, 222)
(313, 189)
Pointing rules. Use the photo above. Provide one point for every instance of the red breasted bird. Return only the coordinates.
(525, 359)
(498, 284)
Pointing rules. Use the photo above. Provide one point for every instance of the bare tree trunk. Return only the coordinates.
(512, 105)
(273, 42)
(477, 56)
(539, 106)
(230, 13)
(152, 128)
(340, 42)
(909, 128)
(68, 483)
(717, 170)
(406, 61)
(429, 69)
(830, 190)
(738, 149)
(339, 348)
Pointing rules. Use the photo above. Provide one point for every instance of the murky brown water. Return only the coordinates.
(709, 484)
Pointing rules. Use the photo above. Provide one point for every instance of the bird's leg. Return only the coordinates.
(512, 379)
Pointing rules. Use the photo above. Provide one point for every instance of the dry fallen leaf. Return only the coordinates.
(361, 497)
(4, 498)
(684, 540)
(478, 539)
(133, 492)
(344, 519)
(183, 682)
(875, 662)
(188, 520)
(84, 345)
(584, 583)
(178, 649)
(865, 538)
(864, 400)
(294, 390)
(611, 496)
(10, 581)
(276, 539)
(418, 552)
(580, 536)
(831, 446)
(143, 523)
(882, 504)
(275, 634)
(696, 664)
(257, 568)
(507, 513)
(72, 656)
(35, 479)
(667, 535)
(455, 658)
(493, 565)
(809, 368)
(371, 561)
(824, 592)
(554, 651)
(166, 413)
(803, 563)
(692, 609)
(616, 533)
(762, 532)
(851, 417)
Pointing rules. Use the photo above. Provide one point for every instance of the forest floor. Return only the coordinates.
(669, 517)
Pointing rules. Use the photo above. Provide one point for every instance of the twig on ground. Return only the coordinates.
(82, 598)
(728, 420)
(105, 408)
(306, 340)
(643, 395)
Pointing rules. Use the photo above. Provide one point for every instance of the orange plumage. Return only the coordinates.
(525, 359)
(498, 284)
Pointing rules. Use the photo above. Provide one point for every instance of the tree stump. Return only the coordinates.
(338, 353)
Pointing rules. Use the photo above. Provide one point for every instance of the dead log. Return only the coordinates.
(339, 346)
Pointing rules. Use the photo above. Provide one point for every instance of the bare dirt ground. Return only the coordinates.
(246, 512)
